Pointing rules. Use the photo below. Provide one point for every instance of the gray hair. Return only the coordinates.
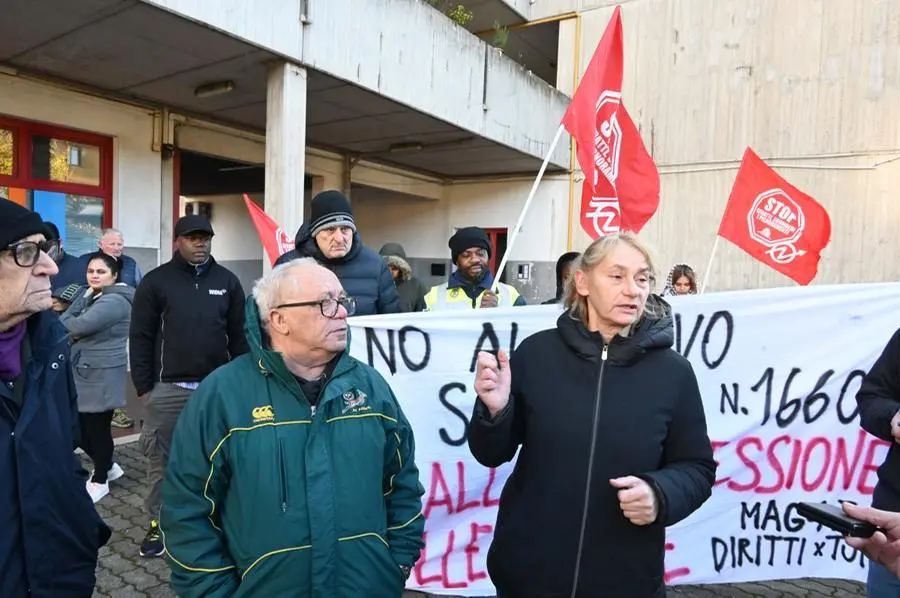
(267, 290)
(111, 231)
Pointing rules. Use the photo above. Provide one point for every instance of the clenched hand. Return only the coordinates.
(493, 381)
(636, 499)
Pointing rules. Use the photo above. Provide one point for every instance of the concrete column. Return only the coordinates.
(285, 146)
(166, 202)
(347, 178)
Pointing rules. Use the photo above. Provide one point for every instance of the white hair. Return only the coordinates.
(267, 290)
(111, 231)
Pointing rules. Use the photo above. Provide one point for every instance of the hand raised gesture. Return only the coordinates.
(493, 380)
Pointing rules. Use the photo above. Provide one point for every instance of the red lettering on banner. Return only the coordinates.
(673, 574)
(472, 549)
(437, 479)
(439, 494)
(486, 497)
(716, 445)
(870, 466)
(461, 504)
(445, 565)
(442, 496)
(814, 463)
(420, 565)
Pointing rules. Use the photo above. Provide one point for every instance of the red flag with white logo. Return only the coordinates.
(774, 221)
(621, 187)
(272, 236)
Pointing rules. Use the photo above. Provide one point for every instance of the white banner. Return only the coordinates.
(778, 369)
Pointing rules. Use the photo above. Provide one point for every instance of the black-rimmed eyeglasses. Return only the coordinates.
(26, 254)
(329, 306)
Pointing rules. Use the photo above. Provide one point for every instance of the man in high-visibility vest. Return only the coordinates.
(472, 285)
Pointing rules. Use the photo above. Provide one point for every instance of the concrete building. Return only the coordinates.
(126, 113)
(813, 86)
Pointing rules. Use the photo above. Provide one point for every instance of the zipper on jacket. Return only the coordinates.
(284, 479)
(313, 409)
(590, 469)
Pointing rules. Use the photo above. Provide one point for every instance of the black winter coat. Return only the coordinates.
(186, 321)
(49, 530)
(362, 273)
(649, 422)
(879, 400)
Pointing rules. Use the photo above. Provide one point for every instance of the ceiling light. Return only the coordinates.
(411, 146)
(214, 89)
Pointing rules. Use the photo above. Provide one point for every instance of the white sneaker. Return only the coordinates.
(115, 472)
(97, 491)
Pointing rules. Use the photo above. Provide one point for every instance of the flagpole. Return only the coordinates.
(712, 256)
(531, 194)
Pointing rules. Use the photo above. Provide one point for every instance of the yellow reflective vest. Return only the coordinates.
(442, 297)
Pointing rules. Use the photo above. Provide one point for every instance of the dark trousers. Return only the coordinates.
(97, 442)
(161, 413)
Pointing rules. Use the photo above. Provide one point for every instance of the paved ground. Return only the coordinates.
(124, 574)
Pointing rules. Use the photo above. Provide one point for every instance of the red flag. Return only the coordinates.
(774, 221)
(637, 188)
(272, 236)
(621, 188)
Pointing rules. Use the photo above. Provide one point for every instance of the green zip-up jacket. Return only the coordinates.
(266, 496)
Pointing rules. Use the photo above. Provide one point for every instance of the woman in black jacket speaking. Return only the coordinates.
(613, 438)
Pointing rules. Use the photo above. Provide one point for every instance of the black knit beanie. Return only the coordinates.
(330, 209)
(467, 238)
(18, 222)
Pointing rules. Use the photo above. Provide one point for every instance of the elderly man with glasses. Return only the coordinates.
(50, 533)
(292, 470)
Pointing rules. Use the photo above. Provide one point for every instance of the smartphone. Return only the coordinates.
(834, 518)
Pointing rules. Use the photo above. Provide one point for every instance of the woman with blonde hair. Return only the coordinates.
(614, 446)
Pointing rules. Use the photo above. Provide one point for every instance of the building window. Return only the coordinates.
(7, 152)
(64, 175)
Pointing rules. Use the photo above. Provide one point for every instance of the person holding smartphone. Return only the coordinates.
(883, 548)
(879, 412)
(614, 445)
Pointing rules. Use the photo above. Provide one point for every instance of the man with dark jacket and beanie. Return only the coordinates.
(187, 320)
(563, 270)
(410, 289)
(472, 285)
(330, 237)
(878, 399)
(49, 531)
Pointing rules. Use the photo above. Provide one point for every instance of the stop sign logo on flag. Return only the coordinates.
(621, 185)
(774, 221)
(607, 141)
(777, 221)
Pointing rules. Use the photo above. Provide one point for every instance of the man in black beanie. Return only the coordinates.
(50, 532)
(330, 237)
(472, 284)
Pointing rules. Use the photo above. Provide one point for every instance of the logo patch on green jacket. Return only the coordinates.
(354, 402)
(263, 414)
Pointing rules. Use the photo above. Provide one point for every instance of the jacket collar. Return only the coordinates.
(458, 282)
(271, 363)
(306, 243)
(650, 333)
(199, 269)
(47, 336)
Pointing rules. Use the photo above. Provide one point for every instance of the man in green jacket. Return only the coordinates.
(292, 470)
